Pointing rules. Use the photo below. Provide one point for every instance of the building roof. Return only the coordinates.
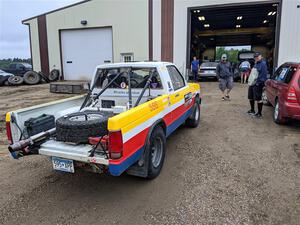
(55, 10)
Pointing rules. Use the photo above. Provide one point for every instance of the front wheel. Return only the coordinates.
(264, 98)
(156, 150)
(194, 119)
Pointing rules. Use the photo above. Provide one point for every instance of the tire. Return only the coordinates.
(31, 78)
(265, 98)
(277, 117)
(78, 127)
(15, 80)
(194, 119)
(54, 75)
(156, 150)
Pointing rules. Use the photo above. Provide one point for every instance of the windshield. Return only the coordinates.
(138, 78)
(27, 65)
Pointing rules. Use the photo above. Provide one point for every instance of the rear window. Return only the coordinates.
(138, 78)
(285, 74)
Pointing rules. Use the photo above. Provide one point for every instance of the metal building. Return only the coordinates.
(76, 38)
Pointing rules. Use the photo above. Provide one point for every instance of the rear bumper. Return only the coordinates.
(74, 152)
(292, 111)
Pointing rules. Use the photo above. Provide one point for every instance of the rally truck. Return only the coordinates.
(121, 125)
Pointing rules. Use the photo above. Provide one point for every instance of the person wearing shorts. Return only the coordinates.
(225, 77)
(255, 91)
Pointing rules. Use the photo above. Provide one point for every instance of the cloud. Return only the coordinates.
(14, 37)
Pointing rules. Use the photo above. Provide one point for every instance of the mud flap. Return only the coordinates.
(140, 168)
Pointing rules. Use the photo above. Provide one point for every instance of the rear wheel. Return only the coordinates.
(194, 119)
(156, 151)
(277, 117)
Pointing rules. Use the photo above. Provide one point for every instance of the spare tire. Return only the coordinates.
(78, 127)
(15, 80)
(32, 77)
(54, 75)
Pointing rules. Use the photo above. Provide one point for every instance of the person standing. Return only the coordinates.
(255, 91)
(225, 77)
(195, 68)
(245, 71)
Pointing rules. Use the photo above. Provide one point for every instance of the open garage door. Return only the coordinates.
(237, 27)
(84, 49)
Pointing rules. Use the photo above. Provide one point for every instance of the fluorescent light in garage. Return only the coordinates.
(270, 13)
(206, 25)
(201, 18)
(239, 18)
(238, 26)
(273, 13)
(265, 21)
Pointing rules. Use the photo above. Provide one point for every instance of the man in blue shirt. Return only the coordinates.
(195, 67)
(255, 91)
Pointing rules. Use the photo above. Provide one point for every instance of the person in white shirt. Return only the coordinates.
(245, 71)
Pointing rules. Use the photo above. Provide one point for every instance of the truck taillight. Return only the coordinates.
(115, 144)
(291, 95)
(8, 132)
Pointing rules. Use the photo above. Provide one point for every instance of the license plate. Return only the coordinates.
(65, 165)
(209, 71)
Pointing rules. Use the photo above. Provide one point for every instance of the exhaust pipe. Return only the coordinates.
(20, 148)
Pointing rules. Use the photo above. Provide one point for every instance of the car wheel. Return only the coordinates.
(277, 117)
(156, 151)
(264, 98)
(15, 80)
(31, 78)
(194, 119)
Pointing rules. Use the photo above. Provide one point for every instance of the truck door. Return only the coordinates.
(180, 98)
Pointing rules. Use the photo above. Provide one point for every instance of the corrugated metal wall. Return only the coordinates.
(289, 40)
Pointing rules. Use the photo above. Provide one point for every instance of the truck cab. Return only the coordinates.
(120, 125)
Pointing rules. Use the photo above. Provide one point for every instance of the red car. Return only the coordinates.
(283, 92)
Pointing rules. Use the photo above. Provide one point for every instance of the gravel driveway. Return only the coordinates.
(232, 169)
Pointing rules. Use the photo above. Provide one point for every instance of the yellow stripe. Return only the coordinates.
(7, 117)
(135, 116)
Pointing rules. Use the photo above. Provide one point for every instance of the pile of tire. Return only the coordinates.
(30, 78)
(78, 127)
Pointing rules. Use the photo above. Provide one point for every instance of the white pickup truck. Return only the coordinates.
(121, 125)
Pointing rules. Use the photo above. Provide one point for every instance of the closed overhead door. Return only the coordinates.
(84, 49)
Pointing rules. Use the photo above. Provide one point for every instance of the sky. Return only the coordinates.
(14, 36)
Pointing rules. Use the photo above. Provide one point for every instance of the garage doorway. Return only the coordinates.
(83, 49)
(233, 26)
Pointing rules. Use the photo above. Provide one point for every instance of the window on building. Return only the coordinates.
(127, 57)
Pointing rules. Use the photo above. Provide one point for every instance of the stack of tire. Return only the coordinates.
(30, 78)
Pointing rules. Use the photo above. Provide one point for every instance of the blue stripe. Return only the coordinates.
(173, 126)
(117, 170)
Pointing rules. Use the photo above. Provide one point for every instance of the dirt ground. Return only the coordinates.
(232, 169)
(12, 98)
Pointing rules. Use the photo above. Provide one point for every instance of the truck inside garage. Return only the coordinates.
(233, 28)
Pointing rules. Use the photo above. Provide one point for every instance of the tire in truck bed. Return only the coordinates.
(78, 127)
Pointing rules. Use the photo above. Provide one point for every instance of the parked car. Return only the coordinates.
(18, 69)
(121, 125)
(283, 92)
(4, 77)
(208, 70)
